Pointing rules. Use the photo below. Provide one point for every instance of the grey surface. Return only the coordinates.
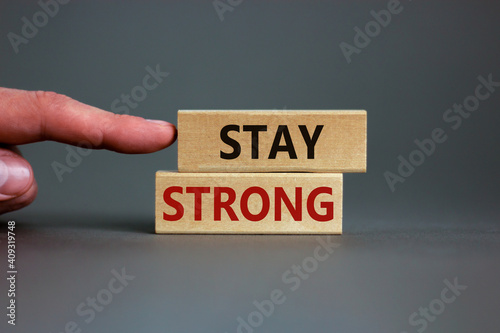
(441, 223)
(378, 276)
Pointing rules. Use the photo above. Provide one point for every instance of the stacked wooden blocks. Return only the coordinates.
(260, 172)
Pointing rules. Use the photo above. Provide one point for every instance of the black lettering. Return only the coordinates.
(288, 147)
(255, 129)
(230, 142)
(307, 139)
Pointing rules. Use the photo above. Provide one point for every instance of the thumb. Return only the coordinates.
(17, 183)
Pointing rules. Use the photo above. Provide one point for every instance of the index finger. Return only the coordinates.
(31, 116)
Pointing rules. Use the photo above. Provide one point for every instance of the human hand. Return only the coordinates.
(31, 116)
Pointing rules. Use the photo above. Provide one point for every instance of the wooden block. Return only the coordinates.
(249, 203)
(272, 141)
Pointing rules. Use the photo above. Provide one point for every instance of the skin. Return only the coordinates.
(32, 116)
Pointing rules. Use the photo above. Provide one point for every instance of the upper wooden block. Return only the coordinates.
(272, 141)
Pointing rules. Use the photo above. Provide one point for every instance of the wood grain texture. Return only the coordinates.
(340, 146)
(249, 203)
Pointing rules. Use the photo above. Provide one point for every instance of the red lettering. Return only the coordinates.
(327, 205)
(295, 209)
(280, 196)
(197, 199)
(219, 204)
(244, 203)
(179, 209)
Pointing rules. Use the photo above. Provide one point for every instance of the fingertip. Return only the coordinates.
(21, 201)
(166, 134)
(159, 122)
(16, 176)
(135, 135)
(171, 132)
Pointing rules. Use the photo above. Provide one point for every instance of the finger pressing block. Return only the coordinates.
(249, 203)
(272, 141)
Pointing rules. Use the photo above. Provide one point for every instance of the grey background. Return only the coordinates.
(441, 223)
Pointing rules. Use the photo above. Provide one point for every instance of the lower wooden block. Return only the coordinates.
(248, 203)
